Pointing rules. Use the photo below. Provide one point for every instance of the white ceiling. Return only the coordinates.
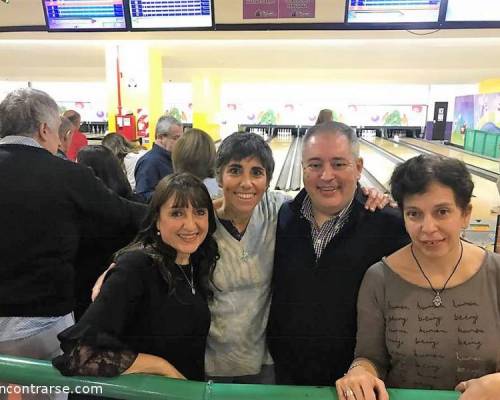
(453, 56)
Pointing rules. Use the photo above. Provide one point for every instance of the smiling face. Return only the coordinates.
(331, 173)
(434, 220)
(183, 228)
(244, 183)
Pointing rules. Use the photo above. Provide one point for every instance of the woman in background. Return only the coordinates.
(106, 167)
(324, 115)
(128, 153)
(95, 251)
(195, 152)
(151, 315)
(429, 314)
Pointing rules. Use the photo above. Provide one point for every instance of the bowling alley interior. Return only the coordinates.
(422, 80)
(411, 77)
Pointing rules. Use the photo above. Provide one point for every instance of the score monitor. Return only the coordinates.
(392, 11)
(171, 14)
(476, 10)
(84, 15)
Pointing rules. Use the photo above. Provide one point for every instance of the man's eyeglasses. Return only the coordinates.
(336, 165)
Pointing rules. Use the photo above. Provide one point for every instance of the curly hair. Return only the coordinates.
(416, 174)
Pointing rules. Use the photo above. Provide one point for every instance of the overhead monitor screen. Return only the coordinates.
(392, 11)
(84, 15)
(170, 14)
(476, 10)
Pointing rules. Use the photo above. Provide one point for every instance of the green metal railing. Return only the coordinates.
(484, 143)
(24, 371)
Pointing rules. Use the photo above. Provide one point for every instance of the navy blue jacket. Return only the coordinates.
(312, 322)
(150, 169)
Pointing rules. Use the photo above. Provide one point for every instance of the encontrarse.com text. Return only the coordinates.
(35, 389)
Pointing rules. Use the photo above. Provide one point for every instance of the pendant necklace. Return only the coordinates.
(437, 301)
(190, 282)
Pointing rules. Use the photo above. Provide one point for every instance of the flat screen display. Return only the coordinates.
(71, 15)
(473, 10)
(171, 14)
(393, 11)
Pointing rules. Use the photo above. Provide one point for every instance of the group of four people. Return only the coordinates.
(196, 274)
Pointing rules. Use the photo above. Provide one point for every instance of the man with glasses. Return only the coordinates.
(325, 241)
(157, 162)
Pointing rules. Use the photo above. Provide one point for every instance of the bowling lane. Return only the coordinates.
(397, 149)
(279, 146)
(377, 164)
(485, 191)
(448, 151)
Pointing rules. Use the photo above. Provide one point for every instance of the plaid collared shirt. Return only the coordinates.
(321, 236)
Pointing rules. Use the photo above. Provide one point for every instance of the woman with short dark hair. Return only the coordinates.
(429, 314)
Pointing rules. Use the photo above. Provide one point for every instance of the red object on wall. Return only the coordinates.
(126, 126)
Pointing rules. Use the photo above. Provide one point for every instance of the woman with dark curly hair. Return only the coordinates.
(429, 314)
(151, 315)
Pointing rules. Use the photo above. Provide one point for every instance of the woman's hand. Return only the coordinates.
(376, 199)
(485, 388)
(150, 364)
(359, 384)
(98, 284)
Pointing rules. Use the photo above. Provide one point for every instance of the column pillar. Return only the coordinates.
(489, 86)
(206, 104)
(134, 76)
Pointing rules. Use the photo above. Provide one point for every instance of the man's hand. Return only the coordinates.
(377, 199)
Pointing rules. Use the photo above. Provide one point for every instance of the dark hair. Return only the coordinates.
(119, 146)
(324, 115)
(106, 167)
(194, 152)
(186, 189)
(334, 128)
(240, 145)
(416, 174)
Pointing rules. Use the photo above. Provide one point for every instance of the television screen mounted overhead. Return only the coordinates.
(473, 10)
(171, 14)
(392, 11)
(84, 15)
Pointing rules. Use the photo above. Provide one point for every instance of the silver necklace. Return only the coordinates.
(437, 301)
(190, 282)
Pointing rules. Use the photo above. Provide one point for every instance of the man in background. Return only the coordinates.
(46, 205)
(78, 140)
(157, 162)
(65, 136)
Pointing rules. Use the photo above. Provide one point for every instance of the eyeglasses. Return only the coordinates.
(336, 165)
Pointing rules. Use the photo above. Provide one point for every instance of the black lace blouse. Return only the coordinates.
(134, 313)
